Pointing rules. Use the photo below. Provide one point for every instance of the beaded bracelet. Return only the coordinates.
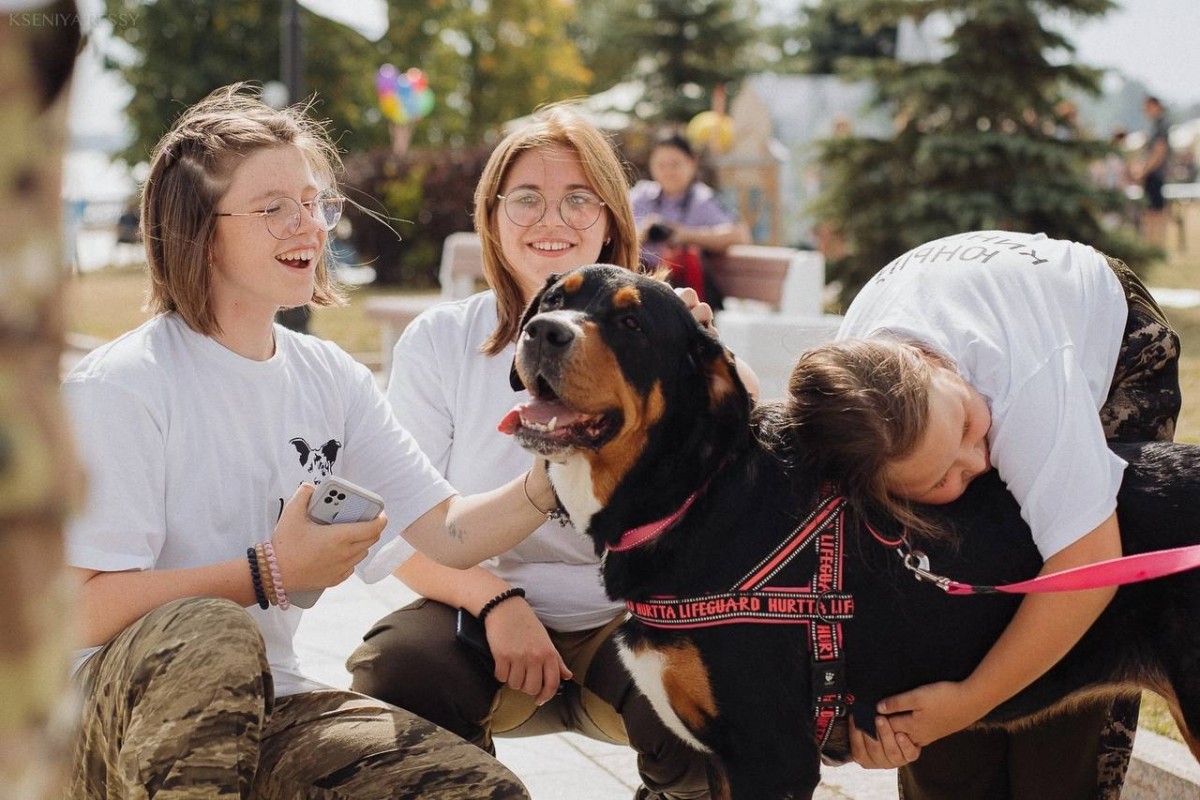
(264, 569)
(259, 595)
(276, 576)
(515, 591)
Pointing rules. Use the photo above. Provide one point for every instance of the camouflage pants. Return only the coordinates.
(180, 705)
(1143, 400)
(1063, 758)
(1143, 404)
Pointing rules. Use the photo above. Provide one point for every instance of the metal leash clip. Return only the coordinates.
(917, 563)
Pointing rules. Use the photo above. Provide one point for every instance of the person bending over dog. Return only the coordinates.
(1026, 354)
(195, 531)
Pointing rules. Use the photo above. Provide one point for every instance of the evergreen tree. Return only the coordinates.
(981, 139)
(829, 36)
(679, 49)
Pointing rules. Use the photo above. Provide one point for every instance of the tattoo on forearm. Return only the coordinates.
(455, 532)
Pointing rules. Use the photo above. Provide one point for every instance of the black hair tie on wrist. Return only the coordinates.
(507, 594)
(256, 578)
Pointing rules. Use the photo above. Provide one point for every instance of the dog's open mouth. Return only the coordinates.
(548, 426)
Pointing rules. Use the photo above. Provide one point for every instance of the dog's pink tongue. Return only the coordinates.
(512, 420)
(539, 412)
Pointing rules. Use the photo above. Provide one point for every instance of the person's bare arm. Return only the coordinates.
(110, 601)
(1158, 156)
(1153, 161)
(462, 531)
(1045, 628)
(310, 556)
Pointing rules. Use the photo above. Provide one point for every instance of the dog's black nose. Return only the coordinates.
(552, 332)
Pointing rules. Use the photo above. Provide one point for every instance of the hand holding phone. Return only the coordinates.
(339, 500)
(335, 501)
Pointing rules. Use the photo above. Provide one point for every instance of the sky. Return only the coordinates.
(1155, 41)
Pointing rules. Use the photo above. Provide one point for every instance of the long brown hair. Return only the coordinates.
(191, 168)
(559, 125)
(853, 406)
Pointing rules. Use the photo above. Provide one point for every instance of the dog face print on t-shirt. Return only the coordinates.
(317, 461)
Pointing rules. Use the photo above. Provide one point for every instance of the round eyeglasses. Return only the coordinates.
(282, 214)
(527, 207)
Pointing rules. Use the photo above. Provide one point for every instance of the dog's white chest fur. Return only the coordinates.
(572, 481)
(647, 668)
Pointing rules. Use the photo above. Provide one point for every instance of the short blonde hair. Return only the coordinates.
(191, 168)
(558, 125)
(855, 405)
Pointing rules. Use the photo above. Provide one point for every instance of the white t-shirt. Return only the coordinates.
(1035, 325)
(452, 398)
(192, 451)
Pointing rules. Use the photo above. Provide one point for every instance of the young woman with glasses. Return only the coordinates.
(203, 432)
(552, 197)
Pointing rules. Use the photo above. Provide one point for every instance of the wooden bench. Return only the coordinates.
(783, 278)
(779, 279)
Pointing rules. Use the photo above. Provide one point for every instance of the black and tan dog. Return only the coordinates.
(758, 610)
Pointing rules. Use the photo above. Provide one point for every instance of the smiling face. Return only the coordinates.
(549, 246)
(953, 449)
(255, 274)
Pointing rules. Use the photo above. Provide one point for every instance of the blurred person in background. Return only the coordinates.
(1151, 172)
(680, 221)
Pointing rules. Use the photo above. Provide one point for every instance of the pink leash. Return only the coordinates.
(1114, 572)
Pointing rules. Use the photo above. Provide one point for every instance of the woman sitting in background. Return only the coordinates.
(679, 220)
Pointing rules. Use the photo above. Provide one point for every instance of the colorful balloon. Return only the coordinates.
(404, 97)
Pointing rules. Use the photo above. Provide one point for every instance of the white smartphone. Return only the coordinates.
(337, 500)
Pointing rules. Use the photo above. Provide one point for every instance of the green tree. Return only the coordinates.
(829, 35)
(487, 62)
(980, 138)
(491, 62)
(183, 49)
(679, 49)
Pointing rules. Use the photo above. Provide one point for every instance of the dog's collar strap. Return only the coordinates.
(822, 605)
(636, 537)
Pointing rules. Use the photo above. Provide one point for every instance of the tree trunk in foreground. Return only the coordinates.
(39, 478)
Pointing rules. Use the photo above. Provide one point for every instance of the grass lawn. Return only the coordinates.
(106, 303)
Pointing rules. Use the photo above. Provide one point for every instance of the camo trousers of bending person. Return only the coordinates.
(1143, 405)
(181, 705)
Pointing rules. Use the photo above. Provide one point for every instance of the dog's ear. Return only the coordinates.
(727, 395)
(514, 379)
